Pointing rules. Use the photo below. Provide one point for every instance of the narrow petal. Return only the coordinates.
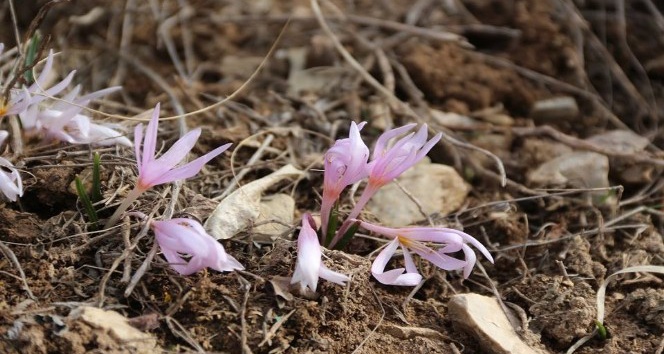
(394, 276)
(188, 170)
(138, 140)
(179, 150)
(471, 258)
(473, 241)
(150, 142)
(332, 276)
(381, 142)
(104, 136)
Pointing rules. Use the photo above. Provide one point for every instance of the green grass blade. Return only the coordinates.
(347, 236)
(332, 224)
(87, 205)
(96, 178)
(31, 56)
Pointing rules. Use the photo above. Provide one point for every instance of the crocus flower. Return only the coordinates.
(412, 239)
(63, 121)
(387, 163)
(21, 99)
(153, 171)
(345, 164)
(177, 237)
(10, 180)
(309, 266)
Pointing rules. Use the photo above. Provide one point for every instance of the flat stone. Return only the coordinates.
(483, 318)
(438, 188)
(115, 327)
(557, 108)
(276, 213)
(579, 169)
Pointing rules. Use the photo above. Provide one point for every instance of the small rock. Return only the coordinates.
(620, 141)
(625, 142)
(483, 318)
(239, 210)
(453, 120)
(117, 327)
(558, 108)
(580, 169)
(438, 189)
(276, 213)
(536, 151)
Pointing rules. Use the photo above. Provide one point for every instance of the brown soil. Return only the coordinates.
(552, 251)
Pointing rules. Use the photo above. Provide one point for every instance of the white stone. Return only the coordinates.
(438, 188)
(580, 169)
(118, 327)
(276, 214)
(483, 318)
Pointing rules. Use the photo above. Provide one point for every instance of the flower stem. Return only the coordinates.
(131, 197)
(364, 198)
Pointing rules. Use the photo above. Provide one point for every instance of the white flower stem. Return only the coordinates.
(131, 197)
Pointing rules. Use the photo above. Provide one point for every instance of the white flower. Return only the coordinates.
(177, 237)
(10, 180)
(309, 266)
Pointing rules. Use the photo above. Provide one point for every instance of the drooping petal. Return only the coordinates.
(396, 276)
(177, 237)
(332, 276)
(471, 258)
(309, 254)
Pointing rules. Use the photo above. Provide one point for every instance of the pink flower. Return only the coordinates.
(21, 99)
(10, 180)
(345, 164)
(165, 169)
(63, 121)
(411, 239)
(387, 163)
(177, 237)
(309, 266)
(151, 171)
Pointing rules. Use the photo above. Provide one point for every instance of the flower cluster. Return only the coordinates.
(60, 119)
(348, 162)
(176, 237)
(186, 245)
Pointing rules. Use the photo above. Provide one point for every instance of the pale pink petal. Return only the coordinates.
(471, 258)
(180, 148)
(381, 142)
(11, 184)
(332, 276)
(394, 276)
(309, 254)
(178, 237)
(150, 142)
(138, 141)
(190, 169)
